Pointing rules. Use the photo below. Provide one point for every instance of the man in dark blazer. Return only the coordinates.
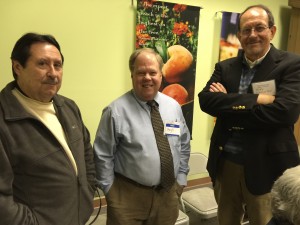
(256, 100)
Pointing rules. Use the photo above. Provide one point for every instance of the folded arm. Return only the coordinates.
(250, 110)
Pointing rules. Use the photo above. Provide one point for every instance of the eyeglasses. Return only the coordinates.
(258, 29)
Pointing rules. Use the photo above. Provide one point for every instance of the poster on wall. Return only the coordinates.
(172, 30)
(229, 43)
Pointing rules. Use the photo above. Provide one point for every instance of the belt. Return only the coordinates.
(154, 187)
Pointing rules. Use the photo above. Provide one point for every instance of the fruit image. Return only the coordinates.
(178, 92)
(180, 60)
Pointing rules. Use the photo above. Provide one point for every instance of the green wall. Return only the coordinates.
(97, 37)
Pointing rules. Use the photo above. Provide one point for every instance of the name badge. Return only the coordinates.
(266, 87)
(172, 129)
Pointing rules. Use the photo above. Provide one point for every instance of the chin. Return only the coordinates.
(146, 95)
(254, 54)
(49, 95)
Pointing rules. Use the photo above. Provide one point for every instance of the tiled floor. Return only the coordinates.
(197, 221)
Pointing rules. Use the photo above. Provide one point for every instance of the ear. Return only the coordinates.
(16, 66)
(273, 31)
(239, 36)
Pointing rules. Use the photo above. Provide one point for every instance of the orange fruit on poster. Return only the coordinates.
(180, 60)
(176, 91)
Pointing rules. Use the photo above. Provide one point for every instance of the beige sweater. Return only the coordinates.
(46, 114)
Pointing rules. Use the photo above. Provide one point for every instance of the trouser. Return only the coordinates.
(130, 203)
(232, 196)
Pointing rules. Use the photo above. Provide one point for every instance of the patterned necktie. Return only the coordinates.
(166, 159)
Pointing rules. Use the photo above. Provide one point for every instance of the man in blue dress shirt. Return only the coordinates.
(126, 153)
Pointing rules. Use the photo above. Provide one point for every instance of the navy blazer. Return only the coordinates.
(268, 130)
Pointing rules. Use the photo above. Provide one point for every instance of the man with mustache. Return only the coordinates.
(256, 100)
(46, 159)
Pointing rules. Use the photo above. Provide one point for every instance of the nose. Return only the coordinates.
(51, 72)
(51, 75)
(147, 76)
(252, 31)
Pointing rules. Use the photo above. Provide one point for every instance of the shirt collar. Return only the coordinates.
(144, 103)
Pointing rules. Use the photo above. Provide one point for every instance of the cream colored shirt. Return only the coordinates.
(46, 114)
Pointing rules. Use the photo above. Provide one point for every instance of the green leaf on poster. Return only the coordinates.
(162, 49)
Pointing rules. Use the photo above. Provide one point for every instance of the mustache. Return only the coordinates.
(51, 81)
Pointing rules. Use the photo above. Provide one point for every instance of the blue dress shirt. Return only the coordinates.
(125, 141)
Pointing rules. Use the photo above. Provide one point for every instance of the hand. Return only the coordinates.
(217, 87)
(179, 189)
(264, 99)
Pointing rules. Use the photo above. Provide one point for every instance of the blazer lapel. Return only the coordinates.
(264, 70)
(268, 64)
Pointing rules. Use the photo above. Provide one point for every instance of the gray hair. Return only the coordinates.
(285, 196)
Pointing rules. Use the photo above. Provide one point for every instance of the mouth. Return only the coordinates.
(52, 84)
(147, 85)
(254, 43)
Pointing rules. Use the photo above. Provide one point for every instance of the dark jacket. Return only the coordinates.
(267, 130)
(38, 184)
